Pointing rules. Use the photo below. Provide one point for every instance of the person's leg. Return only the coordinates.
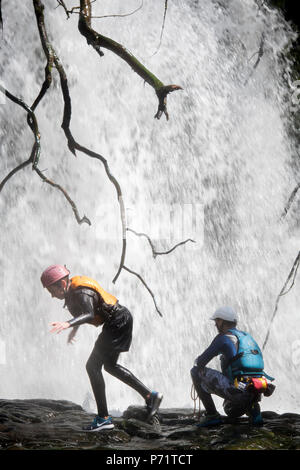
(204, 396)
(152, 398)
(112, 367)
(208, 381)
(93, 367)
(117, 335)
(254, 413)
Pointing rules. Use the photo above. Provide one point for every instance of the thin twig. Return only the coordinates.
(1, 19)
(15, 170)
(144, 283)
(35, 154)
(69, 12)
(61, 3)
(260, 53)
(121, 15)
(154, 252)
(109, 16)
(292, 273)
(162, 28)
(290, 201)
(80, 221)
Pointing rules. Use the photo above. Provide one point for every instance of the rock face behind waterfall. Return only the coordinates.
(41, 424)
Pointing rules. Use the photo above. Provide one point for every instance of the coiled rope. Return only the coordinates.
(194, 397)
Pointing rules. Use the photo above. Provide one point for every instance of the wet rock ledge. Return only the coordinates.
(40, 424)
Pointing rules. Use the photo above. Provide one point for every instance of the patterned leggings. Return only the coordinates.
(209, 381)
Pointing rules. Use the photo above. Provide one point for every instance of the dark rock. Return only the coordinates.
(290, 416)
(269, 414)
(57, 424)
(142, 429)
(136, 412)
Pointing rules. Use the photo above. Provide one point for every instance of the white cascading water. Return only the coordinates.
(225, 154)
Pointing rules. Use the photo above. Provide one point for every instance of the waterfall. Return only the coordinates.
(220, 172)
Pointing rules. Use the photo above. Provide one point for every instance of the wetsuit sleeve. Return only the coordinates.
(220, 345)
(84, 311)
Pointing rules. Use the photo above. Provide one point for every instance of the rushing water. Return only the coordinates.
(225, 156)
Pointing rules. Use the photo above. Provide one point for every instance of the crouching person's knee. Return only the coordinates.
(194, 373)
(197, 374)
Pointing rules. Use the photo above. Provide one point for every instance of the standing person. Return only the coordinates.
(242, 381)
(89, 303)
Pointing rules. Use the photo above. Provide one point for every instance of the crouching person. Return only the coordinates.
(242, 381)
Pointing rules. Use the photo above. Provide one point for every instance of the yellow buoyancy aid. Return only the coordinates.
(84, 281)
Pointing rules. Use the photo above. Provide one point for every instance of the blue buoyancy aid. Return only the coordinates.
(248, 359)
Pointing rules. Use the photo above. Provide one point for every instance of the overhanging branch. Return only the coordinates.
(98, 41)
(73, 145)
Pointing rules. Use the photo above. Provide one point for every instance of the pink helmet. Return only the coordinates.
(53, 274)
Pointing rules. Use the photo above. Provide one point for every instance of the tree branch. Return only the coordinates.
(290, 201)
(1, 19)
(154, 252)
(80, 221)
(72, 144)
(293, 273)
(259, 53)
(98, 41)
(68, 12)
(144, 283)
(162, 28)
(35, 152)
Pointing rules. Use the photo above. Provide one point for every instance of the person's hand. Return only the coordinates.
(71, 337)
(59, 326)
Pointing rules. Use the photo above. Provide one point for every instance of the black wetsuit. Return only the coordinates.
(87, 306)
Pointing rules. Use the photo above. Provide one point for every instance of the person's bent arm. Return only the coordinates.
(84, 306)
(72, 334)
(213, 350)
(83, 318)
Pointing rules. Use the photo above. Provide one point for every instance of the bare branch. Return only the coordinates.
(82, 220)
(62, 4)
(69, 12)
(1, 19)
(35, 154)
(121, 15)
(292, 275)
(72, 144)
(144, 283)
(259, 53)
(98, 41)
(154, 252)
(162, 28)
(290, 201)
(15, 170)
(32, 122)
